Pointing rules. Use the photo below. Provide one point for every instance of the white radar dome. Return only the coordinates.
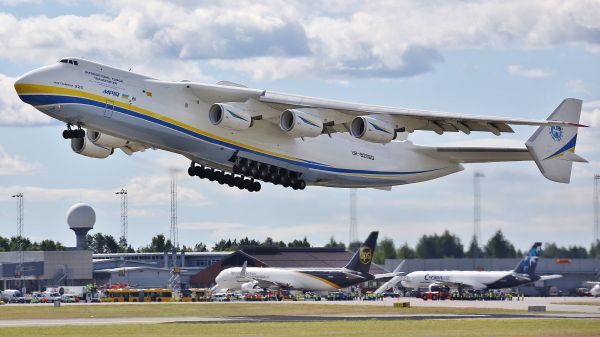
(81, 215)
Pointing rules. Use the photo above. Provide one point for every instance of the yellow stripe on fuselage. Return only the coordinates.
(24, 89)
(331, 284)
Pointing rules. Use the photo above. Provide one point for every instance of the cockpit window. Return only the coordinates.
(73, 62)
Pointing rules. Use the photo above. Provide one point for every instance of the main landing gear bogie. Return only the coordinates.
(246, 171)
(224, 178)
(269, 173)
(70, 133)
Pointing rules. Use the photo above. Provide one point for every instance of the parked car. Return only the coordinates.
(13, 296)
(52, 296)
(38, 297)
(69, 298)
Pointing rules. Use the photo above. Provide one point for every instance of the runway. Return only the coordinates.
(587, 308)
(262, 319)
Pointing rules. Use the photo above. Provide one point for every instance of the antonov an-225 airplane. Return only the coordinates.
(233, 134)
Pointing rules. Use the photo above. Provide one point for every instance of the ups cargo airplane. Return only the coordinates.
(524, 273)
(236, 135)
(308, 279)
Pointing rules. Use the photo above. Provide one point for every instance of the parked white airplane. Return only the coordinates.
(308, 279)
(238, 134)
(524, 273)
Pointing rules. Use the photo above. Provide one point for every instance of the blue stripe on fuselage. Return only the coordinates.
(37, 99)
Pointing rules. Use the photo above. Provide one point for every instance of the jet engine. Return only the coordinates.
(298, 123)
(229, 117)
(249, 286)
(106, 140)
(372, 129)
(85, 147)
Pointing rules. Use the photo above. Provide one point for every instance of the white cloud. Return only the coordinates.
(13, 111)
(142, 191)
(276, 39)
(520, 71)
(19, 2)
(577, 87)
(11, 165)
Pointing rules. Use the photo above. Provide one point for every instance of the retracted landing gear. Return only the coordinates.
(70, 133)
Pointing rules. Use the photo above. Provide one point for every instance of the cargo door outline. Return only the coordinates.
(109, 108)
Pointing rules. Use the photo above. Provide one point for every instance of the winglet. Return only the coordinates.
(243, 271)
(552, 147)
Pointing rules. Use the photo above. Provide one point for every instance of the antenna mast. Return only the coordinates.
(174, 230)
(353, 231)
(477, 206)
(124, 224)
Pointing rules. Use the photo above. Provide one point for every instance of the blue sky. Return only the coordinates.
(507, 58)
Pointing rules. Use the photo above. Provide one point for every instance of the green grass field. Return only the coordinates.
(8, 312)
(597, 303)
(487, 327)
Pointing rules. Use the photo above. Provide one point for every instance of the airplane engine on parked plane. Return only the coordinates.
(229, 117)
(85, 147)
(249, 286)
(106, 140)
(298, 123)
(372, 129)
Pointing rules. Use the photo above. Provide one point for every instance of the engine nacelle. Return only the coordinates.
(372, 129)
(249, 286)
(85, 147)
(229, 117)
(298, 123)
(106, 140)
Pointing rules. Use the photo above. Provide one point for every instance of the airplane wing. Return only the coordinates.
(592, 282)
(338, 115)
(389, 284)
(394, 273)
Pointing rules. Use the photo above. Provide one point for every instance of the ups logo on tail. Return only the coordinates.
(365, 255)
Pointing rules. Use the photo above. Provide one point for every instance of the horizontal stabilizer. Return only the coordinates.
(549, 277)
(477, 154)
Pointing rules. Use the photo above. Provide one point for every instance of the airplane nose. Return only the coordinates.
(25, 79)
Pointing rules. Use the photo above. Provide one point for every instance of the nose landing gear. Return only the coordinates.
(70, 133)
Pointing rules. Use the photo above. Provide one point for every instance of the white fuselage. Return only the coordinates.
(595, 291)
(474, 279)
(172, 117)
(231, 279)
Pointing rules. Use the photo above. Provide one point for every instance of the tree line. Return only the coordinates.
(446, 245)
(13, 244)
